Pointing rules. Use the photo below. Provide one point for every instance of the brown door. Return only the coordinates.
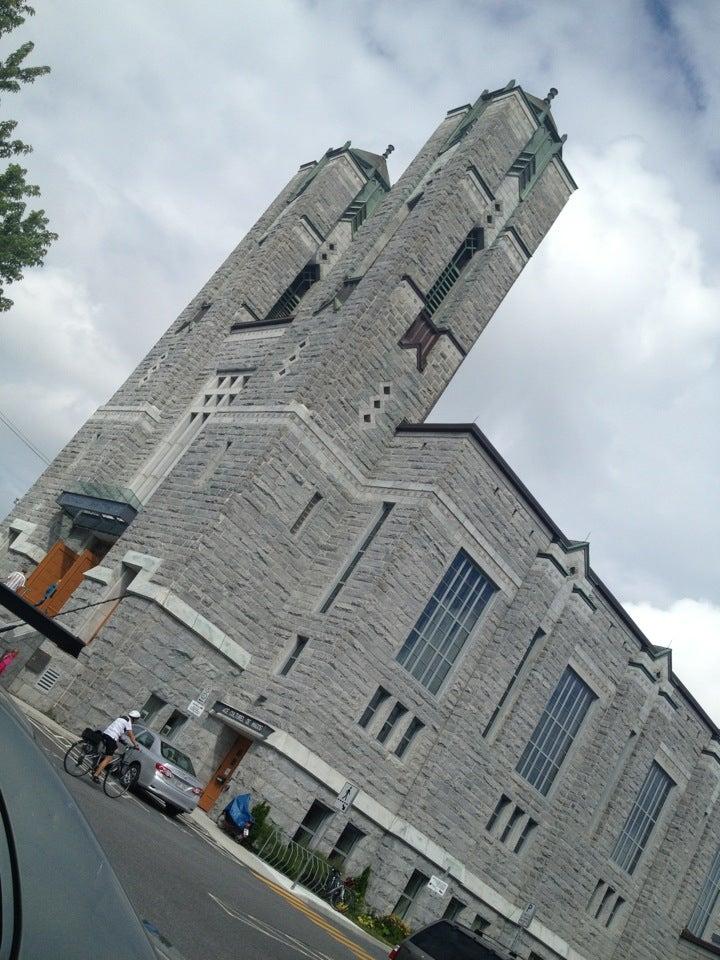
(56, 562)
(225, 770)
(69, 582)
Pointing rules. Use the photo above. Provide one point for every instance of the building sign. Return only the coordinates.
(196, 708)
(437, 886)
(526, 916)
(224, 712)
(344, 799)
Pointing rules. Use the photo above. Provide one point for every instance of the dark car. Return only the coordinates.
(447, 940)
(59, 896)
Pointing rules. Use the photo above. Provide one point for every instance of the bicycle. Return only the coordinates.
(84, 755)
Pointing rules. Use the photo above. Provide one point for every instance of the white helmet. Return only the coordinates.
(134, 714)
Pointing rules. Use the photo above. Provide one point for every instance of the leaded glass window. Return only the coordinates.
(707, 899)
(288, 302)
(445, 624)
(449, 276)
(555, 732)
(643, 817)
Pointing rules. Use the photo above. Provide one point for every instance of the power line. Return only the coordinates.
(23, 438)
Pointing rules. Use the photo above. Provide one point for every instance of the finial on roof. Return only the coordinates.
(509, 85)
(552, 93)
(388, 150)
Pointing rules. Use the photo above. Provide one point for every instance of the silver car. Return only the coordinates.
(165, 772)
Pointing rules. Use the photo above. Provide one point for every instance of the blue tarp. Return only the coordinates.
(238, 810)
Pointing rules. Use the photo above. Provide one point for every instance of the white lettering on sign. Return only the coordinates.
(437, 886)
(345, 798)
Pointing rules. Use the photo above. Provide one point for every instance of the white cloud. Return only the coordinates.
(691, 628)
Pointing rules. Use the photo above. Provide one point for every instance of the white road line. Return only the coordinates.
(271, 932)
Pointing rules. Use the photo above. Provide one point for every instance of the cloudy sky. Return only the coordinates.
(165, 128)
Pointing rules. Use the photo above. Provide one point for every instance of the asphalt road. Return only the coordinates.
(206, 904)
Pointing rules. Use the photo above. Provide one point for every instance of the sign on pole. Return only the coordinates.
(345, 798)
(437, 886)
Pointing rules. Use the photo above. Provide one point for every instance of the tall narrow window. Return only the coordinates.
(347, 572)
(364, 204)
(707, 899)
(386, 729)
(311, 823)
(413, 729)
(445, 624)
(539, 634)
(288, 302)
(345, 844)
(554, 734)
(306, 511)
(450, 275)
(299, 646)
(642, 818)
(378, 698)
(412, 888)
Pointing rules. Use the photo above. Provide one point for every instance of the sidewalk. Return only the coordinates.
(204, 824)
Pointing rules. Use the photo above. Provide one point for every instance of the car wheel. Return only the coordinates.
(171, 810)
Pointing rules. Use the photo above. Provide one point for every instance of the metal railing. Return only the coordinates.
(303, 866)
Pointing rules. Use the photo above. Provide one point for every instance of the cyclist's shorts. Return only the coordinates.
(110, 745)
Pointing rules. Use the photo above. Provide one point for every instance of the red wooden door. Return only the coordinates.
(56, 562)
(225, 770)
(69, 582)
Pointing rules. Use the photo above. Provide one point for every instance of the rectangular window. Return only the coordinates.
(345, 844)
(397, 711)
(449, 276)
(642, 818)
(413, 887)
(309, 506)
(379, 697)
(347, 572)
(707, 899)
(289, 301)
(454, 908)
(174, 722)
(539, 634)
(311, 823)
(300, 644)
(413, 728)
(446, 622)
(153, 705)
(560, 721)
(480, 923)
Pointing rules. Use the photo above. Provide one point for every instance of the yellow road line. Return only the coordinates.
(315, 918)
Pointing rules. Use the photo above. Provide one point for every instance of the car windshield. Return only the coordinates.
(180, 759)
(445, 941)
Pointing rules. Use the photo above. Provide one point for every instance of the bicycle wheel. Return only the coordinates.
(119, 777)
(79, 759)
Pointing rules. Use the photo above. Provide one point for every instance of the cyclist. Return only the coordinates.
(120, 727)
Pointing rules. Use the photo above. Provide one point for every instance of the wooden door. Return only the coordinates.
(56, 562)
(69, 582)
(225, 770)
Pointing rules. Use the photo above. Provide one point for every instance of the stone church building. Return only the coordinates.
(307, 586)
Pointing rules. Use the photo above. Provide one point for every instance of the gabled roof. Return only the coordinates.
(655, 652)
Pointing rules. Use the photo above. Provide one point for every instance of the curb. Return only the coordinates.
(206, 824)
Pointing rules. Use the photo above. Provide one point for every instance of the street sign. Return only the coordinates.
(437, 886)
(195, 708)
(526, 916)
(345, 798)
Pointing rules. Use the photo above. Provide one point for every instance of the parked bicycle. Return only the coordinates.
(84, 756)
